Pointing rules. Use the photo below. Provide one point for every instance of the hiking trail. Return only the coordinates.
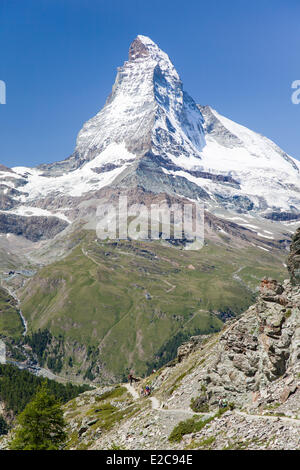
(156, 405)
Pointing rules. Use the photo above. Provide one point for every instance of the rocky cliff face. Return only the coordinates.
(294, 259)
(260, 352)
(32, 228)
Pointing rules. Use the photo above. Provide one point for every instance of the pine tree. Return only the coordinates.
(41, 424)
(3, 426)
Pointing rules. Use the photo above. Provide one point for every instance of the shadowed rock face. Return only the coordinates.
(294, 259)
(33, 228)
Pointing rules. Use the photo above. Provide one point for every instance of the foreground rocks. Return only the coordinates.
(240, 431)
(258, 350)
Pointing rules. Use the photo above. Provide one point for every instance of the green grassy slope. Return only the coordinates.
(10, 321)
(130, 298)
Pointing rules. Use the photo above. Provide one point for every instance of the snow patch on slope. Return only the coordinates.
(78, 182)
(28, 211)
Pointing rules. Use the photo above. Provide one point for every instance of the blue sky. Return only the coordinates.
(59, 59)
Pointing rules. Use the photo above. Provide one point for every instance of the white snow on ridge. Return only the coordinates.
(80, 181)
(255, 143)
(265, 236)
(262, 248)
(263, 170)
(29, 211)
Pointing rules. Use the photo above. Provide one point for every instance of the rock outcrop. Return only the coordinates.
(190, 346)
(258, 349)
(33, 228)
(294, 259)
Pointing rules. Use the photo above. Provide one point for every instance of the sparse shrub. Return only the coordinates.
(199, 405)
(287, 314)
(116, 447)
(115, 393)
(206, 442)
(221, 411)
(187, 427)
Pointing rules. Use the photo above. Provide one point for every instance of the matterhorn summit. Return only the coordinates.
(153, 136)
(146, 111)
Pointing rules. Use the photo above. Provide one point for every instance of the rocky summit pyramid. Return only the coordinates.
(147, 112)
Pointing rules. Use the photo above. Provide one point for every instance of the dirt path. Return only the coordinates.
(237, 278)
(85, 253)
(268, 417)
(156, 405)
(132, 391)
(172, 287)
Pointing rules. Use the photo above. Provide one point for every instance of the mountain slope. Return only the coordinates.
(267, 176)
(10, 321)
(253, 364)
(138, 296)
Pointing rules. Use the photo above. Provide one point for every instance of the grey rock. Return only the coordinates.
(33, 228)
(293, 261)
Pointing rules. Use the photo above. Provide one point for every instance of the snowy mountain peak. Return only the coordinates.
(144, 48)
(152, 134)
(141, 47)
(146, 111)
